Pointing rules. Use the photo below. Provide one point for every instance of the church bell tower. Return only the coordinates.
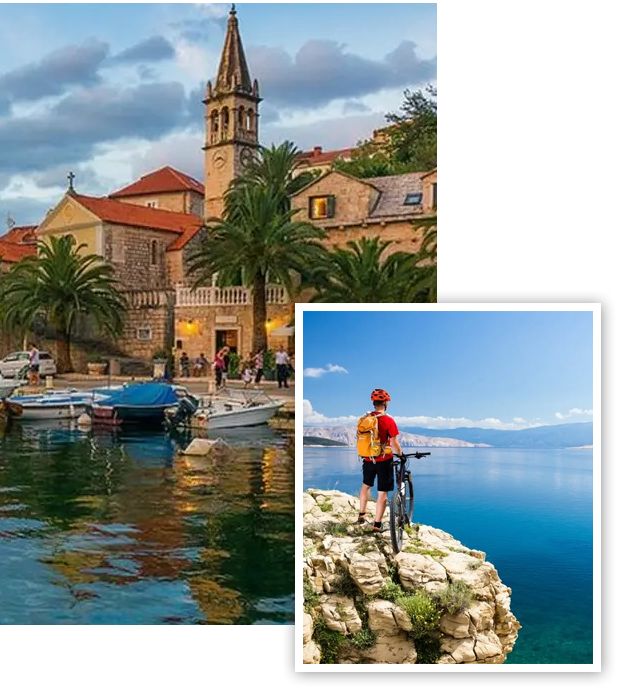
(231, 120)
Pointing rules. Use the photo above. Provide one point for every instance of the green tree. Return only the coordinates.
(61, 285)
(259, 240)
(414, 137)
(273, 170)
(428, 257)
(363, 274)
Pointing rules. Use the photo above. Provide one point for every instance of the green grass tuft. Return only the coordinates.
(455, 598)
(427, 650)
(310, 597)
(391, 591)
(432, 552)
(329, 641)
(364, 639)
(326, 506)
(475, 565)
(423, 611)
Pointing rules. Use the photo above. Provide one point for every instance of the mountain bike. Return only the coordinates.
(402, 500)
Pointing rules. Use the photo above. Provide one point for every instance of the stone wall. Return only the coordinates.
(196, 326)
(149, 324)
(187, 202)
(129, 250)
(436, 601)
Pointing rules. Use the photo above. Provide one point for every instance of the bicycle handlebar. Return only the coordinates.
(416, 455)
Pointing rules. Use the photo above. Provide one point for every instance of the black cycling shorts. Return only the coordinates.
(383, 470)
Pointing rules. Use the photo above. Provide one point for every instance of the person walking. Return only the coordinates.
(220, 366)
(34, 362)
(258, 364)
(185, 365)
(379, 466)
(246, 374)
(282, 361)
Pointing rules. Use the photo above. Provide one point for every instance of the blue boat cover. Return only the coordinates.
(142, 394)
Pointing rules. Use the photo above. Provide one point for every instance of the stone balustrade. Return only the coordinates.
(228, 295)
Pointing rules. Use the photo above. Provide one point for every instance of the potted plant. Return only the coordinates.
(233, 366)
(160, 360)
(97, 365)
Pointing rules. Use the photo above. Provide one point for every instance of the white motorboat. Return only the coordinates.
(228, 409)
(59, 405)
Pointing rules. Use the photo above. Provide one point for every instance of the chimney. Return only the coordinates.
(317, 151)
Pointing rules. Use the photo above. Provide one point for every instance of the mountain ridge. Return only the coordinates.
(346, 434)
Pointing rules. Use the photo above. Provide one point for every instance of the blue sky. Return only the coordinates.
(112, 91)
(506, 370)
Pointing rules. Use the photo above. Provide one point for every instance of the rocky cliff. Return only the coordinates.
(346, 434)
(435, 602)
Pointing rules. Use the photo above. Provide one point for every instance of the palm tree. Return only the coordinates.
(272, 170)
(361, 274)
(60, 285)
(257, 240)
(428, 257)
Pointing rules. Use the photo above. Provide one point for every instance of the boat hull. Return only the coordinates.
(34, 412)
(247, 417)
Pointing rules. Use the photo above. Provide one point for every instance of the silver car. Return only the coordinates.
(11, 365)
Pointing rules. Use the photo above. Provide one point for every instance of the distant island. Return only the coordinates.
(564, 436)
(345, 435)
(309, 441)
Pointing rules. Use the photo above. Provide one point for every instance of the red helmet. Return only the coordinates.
(380, 395)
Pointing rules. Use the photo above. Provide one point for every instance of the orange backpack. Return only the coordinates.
(368, 443)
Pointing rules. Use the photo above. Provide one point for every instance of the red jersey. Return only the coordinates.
(387, 429)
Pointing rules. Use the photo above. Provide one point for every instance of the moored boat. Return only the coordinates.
(49, 406)
(231, 409)
(145, 403)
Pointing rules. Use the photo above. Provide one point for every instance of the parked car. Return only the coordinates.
(11, 365)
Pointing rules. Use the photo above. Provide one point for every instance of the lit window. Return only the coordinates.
(322, 207)
(144, 334)
(152, 204)
(413, 198)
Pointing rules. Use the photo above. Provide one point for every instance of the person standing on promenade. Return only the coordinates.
(282, 361)
(34, 361)
(220, 366)
(184, 365)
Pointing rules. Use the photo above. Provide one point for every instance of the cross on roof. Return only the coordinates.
(71, 178)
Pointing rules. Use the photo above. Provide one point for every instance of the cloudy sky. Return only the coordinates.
(504, 370)
(114, 91)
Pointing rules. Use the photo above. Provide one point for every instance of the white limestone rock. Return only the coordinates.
(381, 618)
(457, 626)
(391, 649)
(460, 650)
(416, 571)
(366, 574)
(340, 614)
(307, 628)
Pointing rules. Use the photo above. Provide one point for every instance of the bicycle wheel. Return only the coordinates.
(410, 500)
(397, 520)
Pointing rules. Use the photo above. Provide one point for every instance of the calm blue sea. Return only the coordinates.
(529, 510)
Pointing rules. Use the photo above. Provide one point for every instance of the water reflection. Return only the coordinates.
(117, 528)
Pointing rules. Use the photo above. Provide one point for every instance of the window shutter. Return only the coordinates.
(331, 206)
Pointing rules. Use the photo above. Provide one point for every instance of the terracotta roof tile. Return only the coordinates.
(21, 235)
(13, 252)
(184, 239)
(165, 179)
(142, 217)
(317, 156)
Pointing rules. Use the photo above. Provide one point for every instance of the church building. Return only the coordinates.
(148, 229)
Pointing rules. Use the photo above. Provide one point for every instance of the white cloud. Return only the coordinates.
(318, 372)
(575, 412)
(313, 417)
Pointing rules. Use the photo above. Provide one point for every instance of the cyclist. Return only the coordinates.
(381, 466)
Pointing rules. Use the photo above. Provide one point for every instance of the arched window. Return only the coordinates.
(241, 119)
(225, 120)
(250, 120)
(214, 121)
(153, 252)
